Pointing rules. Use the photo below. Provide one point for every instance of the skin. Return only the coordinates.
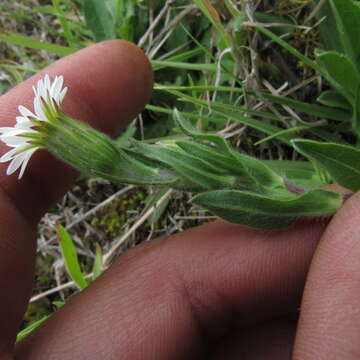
(220, 291)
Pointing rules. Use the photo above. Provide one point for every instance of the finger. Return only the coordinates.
(265, 341)
(166, 299)
(329, 325)
(108, 84)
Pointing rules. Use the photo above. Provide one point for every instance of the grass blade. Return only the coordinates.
(29, 42)
(68, 251)
(159, 64)
(25, 332)
(63, 22)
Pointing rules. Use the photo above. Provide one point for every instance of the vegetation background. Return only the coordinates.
(204, 54)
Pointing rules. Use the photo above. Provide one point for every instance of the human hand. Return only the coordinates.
(218, 291)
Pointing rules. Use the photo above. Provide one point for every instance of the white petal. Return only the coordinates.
(53, 85)
(56, 88)
(38, 108)
(13, 140)
(20, 119)
(60, 84)
(61, 81)
(47, 83)
(10, 132)
(9, 155)
(62, 95)
(15, 163)
(24, 125)
(25, 112)
(41, 88)
(25, 161)
(6, 130)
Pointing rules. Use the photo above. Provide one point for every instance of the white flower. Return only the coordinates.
(47, 102)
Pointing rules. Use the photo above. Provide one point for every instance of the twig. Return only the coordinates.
(171, 25)
(70, 284)
(317, 8)
(120, 240)
(268, 25)
(94, 210)
(154, 23)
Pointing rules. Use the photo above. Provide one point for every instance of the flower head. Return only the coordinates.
(24, 137)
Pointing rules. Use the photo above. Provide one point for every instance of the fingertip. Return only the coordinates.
(117, 86)
(329, 321)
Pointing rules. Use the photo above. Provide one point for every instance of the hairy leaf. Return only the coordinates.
(265, 212)
(99, 19)
(341, 161)
(195, 170)
(249, 168)
(334, 99)
(347, 19)
(342, 72)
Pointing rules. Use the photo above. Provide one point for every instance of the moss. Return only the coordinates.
(113, 217)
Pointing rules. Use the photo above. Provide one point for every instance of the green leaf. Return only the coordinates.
(210, 154)
(194, 170)
(286, 28)
(178, 59)
(25, 332)
(356, 113)
(31, 43)
(342, 72)
(327, 25)
(334, 99)
(330, 135)
(347, 20)
(223, 161)
(261, 174)
(68, 251)
(159, 64)
(63, 22)
(99, 19)
(341, 161)
(151, 200)
(58, 304)
(317, 129)
(190, 130)
(268, 213)
(310, 109)
(232, 113)
(123, 139)
(190, 115)
(252, 171)
(124, 17)
(212, 15)
(307, 61)
(300, 173)
(132, 171)
(229, 108)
